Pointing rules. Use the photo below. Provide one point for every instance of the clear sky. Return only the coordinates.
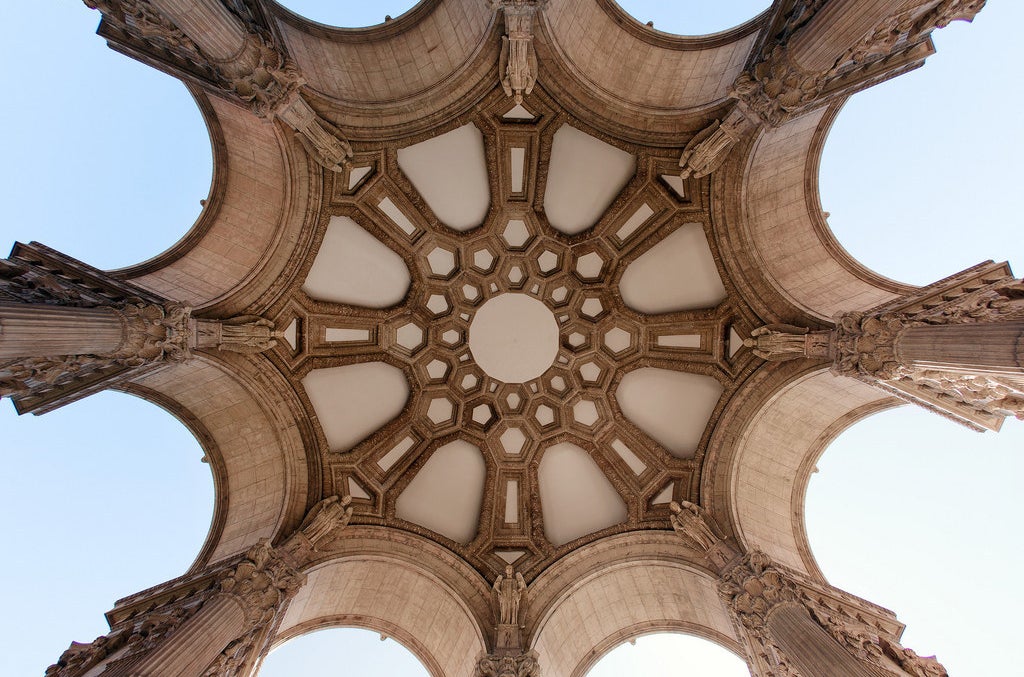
(107, 160)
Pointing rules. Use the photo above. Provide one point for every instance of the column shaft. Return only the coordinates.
(982, 347)
(835, 28)
(191, 648)
(41, 330)
(809, 647)
(207, 23)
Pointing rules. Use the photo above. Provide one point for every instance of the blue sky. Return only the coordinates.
(107, 160)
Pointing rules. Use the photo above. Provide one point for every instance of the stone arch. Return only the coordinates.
(806, 266)
(354, 74)
(261, 201)
(618, 588)
(677, 77)
(256, 454)
(370, 581)
(756, 476)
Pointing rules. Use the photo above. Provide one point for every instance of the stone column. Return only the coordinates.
(209, 24)
(198, 642)
(791, 632)
(835, 29)
(42, 330)
(251, 594)
(978, 348)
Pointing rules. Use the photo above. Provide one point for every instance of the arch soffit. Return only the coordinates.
(756, 476)
(357, 81)
(807, 265)
(583, 43)
(632, 574)
(263, 198)
(252, 440)
(394, 560)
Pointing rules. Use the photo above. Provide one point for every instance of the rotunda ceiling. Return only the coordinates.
(551, 303)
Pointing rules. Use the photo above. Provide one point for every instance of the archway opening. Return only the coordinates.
(916, 514)
(101, 498)
(137, 151)
(694, 17)
(342, 651)
(348, 14)
(683, 655)
(917, 179)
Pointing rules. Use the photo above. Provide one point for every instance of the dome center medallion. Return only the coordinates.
(514, 338)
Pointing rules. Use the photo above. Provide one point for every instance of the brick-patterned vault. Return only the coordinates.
(512, 329)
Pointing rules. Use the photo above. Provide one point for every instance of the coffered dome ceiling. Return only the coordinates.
(512, 334)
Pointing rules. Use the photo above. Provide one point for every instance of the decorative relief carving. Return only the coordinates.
(509, 591)
(262, 582)
(523, 665)
(776, 88)
(517, 65)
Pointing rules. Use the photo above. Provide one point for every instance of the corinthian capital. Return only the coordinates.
(261, 582)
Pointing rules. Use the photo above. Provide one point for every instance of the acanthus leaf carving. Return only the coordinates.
(261, 582)
(521, 665)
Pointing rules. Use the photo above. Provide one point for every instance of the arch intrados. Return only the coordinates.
(674, 627)
(410, 15)
(636, 25)
(211, 204)
(384, 612)
(362, 622)
(778, 385)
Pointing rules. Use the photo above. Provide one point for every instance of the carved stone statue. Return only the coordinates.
(509, 590)
(326, 519)
(517, 65)
(708, 149)
(782, 342)
(248, 334)
(689, 521)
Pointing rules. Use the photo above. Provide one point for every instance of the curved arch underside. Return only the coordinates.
(659, 73)
(264, 481)
(399, 60)
(584, 609)
(775, 454)
(393, 595)
(788, 230)
(261, 193)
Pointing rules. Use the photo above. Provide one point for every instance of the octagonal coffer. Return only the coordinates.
(353, 401)
(450, 172)
(354, 267)
(677, 273)
(576, 497)
(446, 494)
(673, 407)
(585, 175)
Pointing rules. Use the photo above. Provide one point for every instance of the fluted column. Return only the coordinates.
(209, 24)
(794, 626)
(42, 330)
(979, 348)
(200, 639)
(835, 29)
